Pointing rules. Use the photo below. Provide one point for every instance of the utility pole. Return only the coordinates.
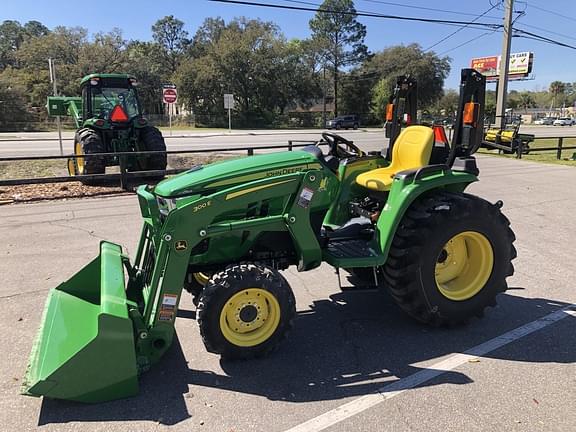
(324, 96)
(504, 65)
(52, 69)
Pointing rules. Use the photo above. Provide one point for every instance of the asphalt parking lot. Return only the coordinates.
(353, 361)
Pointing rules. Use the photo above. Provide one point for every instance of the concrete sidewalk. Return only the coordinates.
(343, 347)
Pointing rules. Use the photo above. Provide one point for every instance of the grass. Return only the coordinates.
(49, 168)
(34, 168)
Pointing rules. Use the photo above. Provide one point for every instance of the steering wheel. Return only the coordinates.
(338, 150)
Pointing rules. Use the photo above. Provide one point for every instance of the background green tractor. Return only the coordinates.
(225, 232)
(109, 120)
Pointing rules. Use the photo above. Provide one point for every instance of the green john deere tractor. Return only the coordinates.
(225, 231)
(109, 120)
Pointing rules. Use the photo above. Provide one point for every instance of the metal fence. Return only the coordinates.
(124, 176)
(522, 150)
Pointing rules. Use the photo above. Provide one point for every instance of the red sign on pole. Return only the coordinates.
(169, 95)
(487, 66)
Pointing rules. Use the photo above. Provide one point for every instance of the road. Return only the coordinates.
(353, 362)
(46, 143)
(43, 144)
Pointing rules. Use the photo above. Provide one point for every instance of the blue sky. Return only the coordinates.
(136, 17)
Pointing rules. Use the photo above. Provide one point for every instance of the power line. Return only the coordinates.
(552, 12)
(548, 31)
(534, 36)
(494, 27)
(461, 28)
(424, 8)
(359, 11)
(365, 14)
(467, 42)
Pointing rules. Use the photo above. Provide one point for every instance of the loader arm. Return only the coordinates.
(66, 107)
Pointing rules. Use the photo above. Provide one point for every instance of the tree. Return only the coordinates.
(525, 100)
(169, 33)
(448, 103)
(106, 54)
(11, 37)
(145, 61)
(427, 68)
(379, 74)
(35, 29)
(252, 60)
(341, 36)
(13, 34)
(380, 96)
(557, 88)
(13, 113)
(207, 34)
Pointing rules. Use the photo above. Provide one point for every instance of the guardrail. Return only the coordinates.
(522, 150)
(124, 175)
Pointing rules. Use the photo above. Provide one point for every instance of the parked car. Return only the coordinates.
(346, 122)
(563, 121)
(545, 121)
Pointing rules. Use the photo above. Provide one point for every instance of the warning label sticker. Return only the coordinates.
(305, 197)
(167, 307)
(165, 316)
(169, 300)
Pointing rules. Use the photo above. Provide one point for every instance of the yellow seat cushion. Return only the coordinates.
(506, 136)
(411, 150)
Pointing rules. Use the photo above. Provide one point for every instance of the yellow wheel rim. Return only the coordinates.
(71, 167)
(79, 161)
(201, 278)
(464, 265)
(250, 317)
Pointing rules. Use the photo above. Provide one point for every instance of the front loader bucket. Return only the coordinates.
(85, 348)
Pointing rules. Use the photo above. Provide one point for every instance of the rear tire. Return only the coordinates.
(152, 140)
(245, 311)
(450, 258)
(88, 141)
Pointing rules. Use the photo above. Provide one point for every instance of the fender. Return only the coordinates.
(407, 187)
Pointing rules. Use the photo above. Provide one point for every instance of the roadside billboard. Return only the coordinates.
(520, 66)
(487, 66)
(520, 63)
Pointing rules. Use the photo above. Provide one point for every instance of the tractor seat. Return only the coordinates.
(411, 150)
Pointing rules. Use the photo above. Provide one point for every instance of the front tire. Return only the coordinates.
(245, 311)
(450, 258)
(195, 282)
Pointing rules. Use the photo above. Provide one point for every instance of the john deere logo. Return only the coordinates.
(181, 245)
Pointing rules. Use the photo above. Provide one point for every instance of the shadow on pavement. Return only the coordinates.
(349, 345)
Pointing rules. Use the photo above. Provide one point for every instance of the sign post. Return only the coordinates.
(52, 70)
(229, 105)
(170, 97)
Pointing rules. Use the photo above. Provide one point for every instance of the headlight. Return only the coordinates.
(166, 205)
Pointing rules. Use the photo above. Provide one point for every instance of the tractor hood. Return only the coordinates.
(223, 175)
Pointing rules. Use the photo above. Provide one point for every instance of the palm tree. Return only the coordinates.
(556, 88)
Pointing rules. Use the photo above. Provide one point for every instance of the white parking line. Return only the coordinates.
(363, 403)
